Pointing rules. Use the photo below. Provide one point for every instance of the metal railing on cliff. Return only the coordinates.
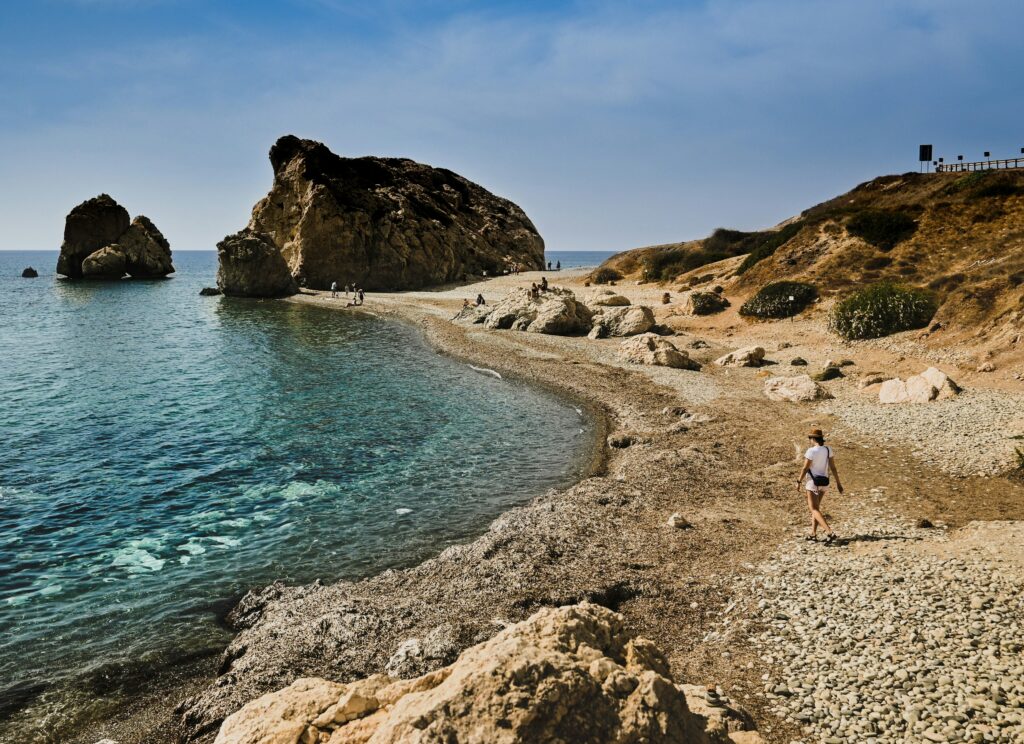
(980, 165)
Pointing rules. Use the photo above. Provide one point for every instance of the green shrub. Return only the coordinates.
(604, 275)
(780, 300)
(769, 242)
(882, 228)
(880, 310)
(666, 265)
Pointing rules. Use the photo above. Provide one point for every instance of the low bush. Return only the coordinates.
(768, 243)
(882, 228)
(780, 300)
(604, 275)
(667, 265)
(880, 310)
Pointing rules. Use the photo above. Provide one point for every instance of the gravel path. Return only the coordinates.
(975, 433)
(896, 634)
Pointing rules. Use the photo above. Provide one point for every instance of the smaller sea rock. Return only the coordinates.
(29, 273)
(794, 389)
(651, 349)
(250, 265)
(106, 263)
(209, 292)
(751, 356)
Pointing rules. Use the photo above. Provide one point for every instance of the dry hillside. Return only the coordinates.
(959, 235)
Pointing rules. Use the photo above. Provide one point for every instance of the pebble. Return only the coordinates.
(892, 646)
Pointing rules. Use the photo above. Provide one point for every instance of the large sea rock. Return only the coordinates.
(101, 241)
(384, 223)
(567, 674)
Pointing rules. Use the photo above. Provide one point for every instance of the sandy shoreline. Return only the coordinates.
(706, 444)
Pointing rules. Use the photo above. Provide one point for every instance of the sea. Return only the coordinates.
(163, 452)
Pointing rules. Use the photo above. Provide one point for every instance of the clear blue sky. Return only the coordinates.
(613, 124)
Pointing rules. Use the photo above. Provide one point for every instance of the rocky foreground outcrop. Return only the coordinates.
(101, 241)
(567, 674)
(379, 223)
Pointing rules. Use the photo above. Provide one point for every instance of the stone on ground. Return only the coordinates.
(794, 389)
(652, 349)
(751, 356)
(625, 321)
(703, 303)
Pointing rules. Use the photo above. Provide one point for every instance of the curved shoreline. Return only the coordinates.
(192, 671)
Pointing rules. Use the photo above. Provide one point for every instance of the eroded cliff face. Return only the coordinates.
(385, 223)
(102, 242)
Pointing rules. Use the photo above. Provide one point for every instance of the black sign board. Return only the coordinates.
(924, 153)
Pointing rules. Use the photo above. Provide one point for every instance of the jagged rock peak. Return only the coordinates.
(101, 241)
(385, 223)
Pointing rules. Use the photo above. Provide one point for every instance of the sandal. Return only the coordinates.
(831, 537)
(811, 538)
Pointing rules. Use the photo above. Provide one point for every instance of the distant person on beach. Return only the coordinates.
(465, 303)
(818, 462)
(543, 284)
(534, 291)
(334, 289)
(558, 265)
(362, 295)
(480, 300)
(346, 291)
(549, 266)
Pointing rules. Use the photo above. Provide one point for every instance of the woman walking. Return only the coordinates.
(818, 462)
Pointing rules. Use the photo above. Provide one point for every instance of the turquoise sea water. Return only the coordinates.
(164, 451)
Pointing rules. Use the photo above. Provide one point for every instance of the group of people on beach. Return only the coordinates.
(537, 289)
(515, 269)
(358, 295)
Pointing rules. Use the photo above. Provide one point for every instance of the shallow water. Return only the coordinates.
(163, 451)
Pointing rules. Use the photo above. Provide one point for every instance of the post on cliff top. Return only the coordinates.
(924, 156)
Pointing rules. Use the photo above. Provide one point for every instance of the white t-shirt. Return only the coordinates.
(819, 455)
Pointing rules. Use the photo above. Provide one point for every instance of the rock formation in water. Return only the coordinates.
(102, 242)
(380, 223)
(250, 265)
(29, 273)
(565, 674)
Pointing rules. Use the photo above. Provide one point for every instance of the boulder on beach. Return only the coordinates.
(652, 349)
(101, 241)
(250, 265)
(703, 303)
(625, 321)
(556, 311)
(751, 356)
(923, 388)
(566, 674)
(798, 389)
(29, 273)
(606, 298)
(384, 223)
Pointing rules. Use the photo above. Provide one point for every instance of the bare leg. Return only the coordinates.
(817, 518)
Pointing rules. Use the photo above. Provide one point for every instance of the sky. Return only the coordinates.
(613, 124)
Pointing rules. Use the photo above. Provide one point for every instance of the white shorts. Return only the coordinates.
(820, 490)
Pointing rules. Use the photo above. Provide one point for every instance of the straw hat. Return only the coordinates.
(815, 433)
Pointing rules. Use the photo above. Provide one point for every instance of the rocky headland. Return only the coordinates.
(379, 223)
(101, 241)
